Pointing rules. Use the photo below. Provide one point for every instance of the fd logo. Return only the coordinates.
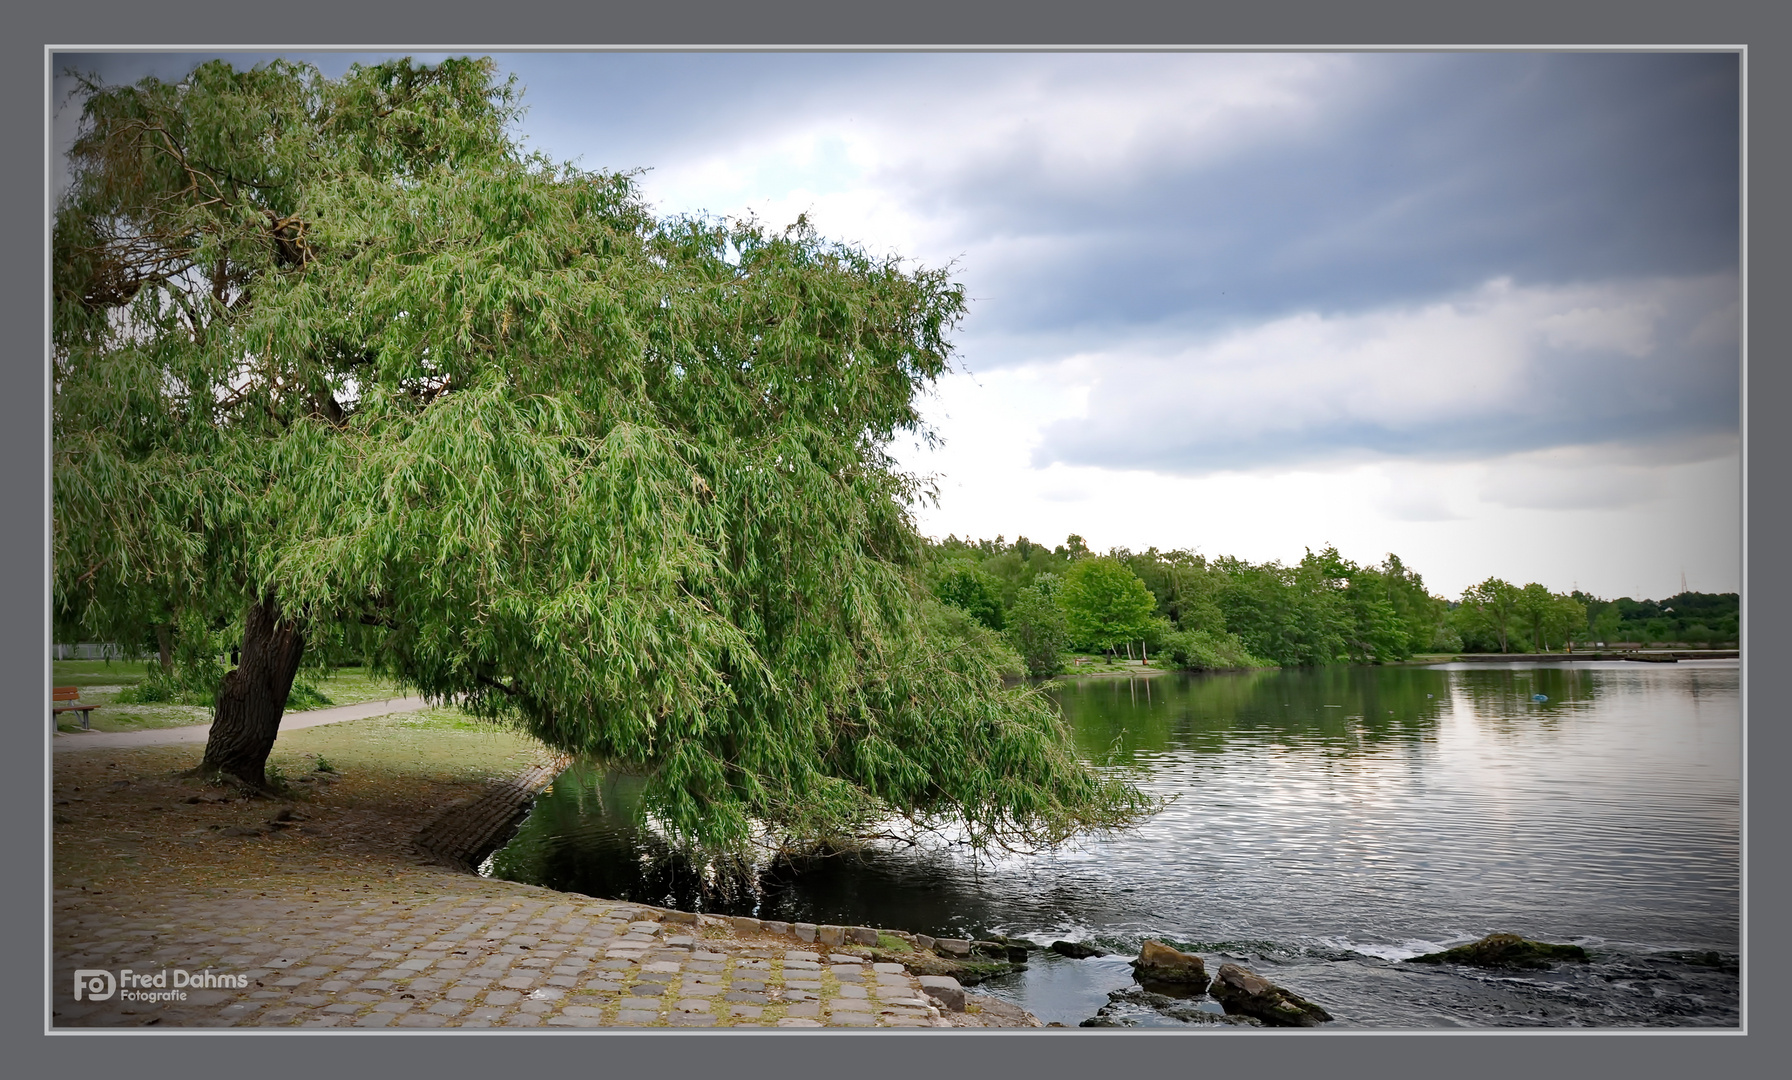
(94, 985)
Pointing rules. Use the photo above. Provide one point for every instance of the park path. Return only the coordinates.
(197, 733)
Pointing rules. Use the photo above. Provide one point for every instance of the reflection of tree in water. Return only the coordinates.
(584, 835)
(1504, 698)
(1343, 710)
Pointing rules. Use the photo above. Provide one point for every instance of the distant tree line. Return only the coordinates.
(1224, 612)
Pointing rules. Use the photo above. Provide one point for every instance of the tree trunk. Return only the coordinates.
(252, 697)
(165, 648)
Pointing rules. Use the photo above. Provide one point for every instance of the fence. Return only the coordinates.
(89, 651)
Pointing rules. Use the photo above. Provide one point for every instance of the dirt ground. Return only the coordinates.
(125, 820)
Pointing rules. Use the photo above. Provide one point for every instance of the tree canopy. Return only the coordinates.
(337, 362)
(1105, 603)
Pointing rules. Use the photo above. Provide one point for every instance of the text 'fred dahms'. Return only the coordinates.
(164, 985)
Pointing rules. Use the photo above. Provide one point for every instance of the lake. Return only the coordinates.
(1321, 826)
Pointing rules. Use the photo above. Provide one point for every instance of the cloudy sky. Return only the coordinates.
(1478, 309)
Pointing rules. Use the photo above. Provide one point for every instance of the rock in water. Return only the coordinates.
(1158, 962)
(1076, 950)
(1125, 1006)
(1504, 951)
(1250, 994)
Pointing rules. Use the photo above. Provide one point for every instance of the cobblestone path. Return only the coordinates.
(470, 952)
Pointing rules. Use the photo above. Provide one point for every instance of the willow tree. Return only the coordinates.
(336, 358)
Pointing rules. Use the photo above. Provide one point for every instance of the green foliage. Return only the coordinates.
(1208, 650)
(1548, 619)
(485, 421)
(1691, 617)
(1037, 627)
(975, 592)
(1323, 610)
(1489, 612)
(1498, 615)
(1294, 616)
(306, 695)
(1105, 604)
(955, 628)
(193, 679)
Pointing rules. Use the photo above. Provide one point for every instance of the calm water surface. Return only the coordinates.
(1323, 825)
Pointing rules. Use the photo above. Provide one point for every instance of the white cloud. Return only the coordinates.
(1503, 368)
(1626, 328)
(872, 167)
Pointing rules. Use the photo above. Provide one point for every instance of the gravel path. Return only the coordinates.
(197, 733)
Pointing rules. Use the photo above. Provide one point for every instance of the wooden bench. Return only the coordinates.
(68, 693)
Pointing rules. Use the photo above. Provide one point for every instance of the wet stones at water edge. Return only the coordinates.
(1124, 1007)
(1504, 951)
(1250, 994)
(1076, 950)
(1159, 963)
(1001, 950)
(945, 990)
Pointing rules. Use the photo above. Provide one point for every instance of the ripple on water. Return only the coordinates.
(1324, 846)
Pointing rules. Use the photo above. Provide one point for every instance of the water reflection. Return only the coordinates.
(1323, 824)
(1347, 711)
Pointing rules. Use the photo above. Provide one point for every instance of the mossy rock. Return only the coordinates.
(1244, 992)
(1161, 963)
(967, 972)
(1504, 951)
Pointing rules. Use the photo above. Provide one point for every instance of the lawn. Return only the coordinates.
(101, 681)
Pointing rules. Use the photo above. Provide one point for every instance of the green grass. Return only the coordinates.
(102, 680)
(96, 672)
(1093, 664)
(441, 742)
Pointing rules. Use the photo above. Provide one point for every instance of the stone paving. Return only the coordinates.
(350, 906)
(474, 953)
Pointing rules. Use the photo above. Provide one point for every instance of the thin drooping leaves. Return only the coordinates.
(619, 479)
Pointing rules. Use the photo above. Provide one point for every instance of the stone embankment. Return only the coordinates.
(464, 833)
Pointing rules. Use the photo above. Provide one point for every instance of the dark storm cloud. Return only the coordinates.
(1424, 175)
(1370, 183)
(1437, 173)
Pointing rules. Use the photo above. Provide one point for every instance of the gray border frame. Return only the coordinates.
(812, 23)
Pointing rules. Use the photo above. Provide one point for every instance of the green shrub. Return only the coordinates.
(974, 591)
(1037, 630)
(967, 632)
(192, 683)
(306, 695)
(1208, 650)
